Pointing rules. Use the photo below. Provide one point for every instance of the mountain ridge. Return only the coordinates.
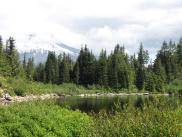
(38, 48)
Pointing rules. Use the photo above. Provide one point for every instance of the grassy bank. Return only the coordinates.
(22, 87)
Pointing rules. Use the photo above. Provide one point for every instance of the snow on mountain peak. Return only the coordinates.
(42, 43)
(38, 46)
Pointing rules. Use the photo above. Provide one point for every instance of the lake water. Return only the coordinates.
(96, 104)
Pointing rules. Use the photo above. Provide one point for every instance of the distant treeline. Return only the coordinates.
(117, 70)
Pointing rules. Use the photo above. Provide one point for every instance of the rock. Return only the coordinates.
(59, 94)
(7, 97)
(146, 94)
(81, 95)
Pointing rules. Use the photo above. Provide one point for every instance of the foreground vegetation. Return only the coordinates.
(158, 117)
(42, 119)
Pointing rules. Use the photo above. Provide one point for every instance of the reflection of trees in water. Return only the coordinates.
(108, 104)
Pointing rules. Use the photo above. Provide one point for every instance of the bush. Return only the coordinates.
(36, 120)
(1, 84)
(19, 92)
(180, 92)
(162, 118)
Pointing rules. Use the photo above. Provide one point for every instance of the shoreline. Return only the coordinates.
(12, 99)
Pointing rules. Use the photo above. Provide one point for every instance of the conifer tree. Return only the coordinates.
(159, 70)
(76, 72)
(40, 73)
(12, 56)
(150, 82)
(140, 78)
(86, 61)
(1, 45)
(113, 71)
(143, 58)
(30, 69)
(179, 52)
(64, 74)
(118, 72)
(51, 68)
(24, 61)
(102, 69)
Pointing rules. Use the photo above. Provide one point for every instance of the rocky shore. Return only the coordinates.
(7, 99)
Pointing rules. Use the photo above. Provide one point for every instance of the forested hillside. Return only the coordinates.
(116, 70)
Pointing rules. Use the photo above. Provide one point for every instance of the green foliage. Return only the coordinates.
(140, 78)
(12, 56)
(19, 91)
(86, 61)
(150, 82)
(102, 69)
(51, 68)
(34, 119)
(160, 118)
(76, 73)
(22, 87)
(119, 71)
(167, 57)
(30, 69)
(175, 87)
(64, 72)
(39, 74)
(143, 56)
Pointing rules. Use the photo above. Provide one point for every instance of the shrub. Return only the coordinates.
(19, 92)
(1, 84)
(35, 119)
(160, 119)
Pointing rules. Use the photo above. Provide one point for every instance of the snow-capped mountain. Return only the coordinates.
(38, 47)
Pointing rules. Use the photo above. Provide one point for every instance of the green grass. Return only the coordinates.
(24, 87)
(42, 119)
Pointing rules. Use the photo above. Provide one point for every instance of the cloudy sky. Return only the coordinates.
(99, 23)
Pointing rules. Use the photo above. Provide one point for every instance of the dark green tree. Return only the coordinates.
(30, 69)
(40, 73)
(87, 65)
(64, 74)
(140, 78)
(102, 71)
(179, 52)
(76, 73)
(1, 45)
(51, 68)
(150, 82)
(143, 58)
(24, 62)
(119, 69)
(13, 57)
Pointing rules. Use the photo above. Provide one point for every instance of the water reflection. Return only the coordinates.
(109, 104)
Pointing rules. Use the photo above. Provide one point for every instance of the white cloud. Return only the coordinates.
(99, 23)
